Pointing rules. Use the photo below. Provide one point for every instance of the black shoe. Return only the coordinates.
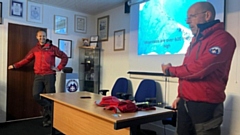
(47, 123)
(47, 120)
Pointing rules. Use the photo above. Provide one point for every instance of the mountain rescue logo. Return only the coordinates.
(215, 50)
(72, 86)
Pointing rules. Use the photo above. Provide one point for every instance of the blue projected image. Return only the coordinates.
(162, 27)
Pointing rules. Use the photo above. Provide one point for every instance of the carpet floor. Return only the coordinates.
(24, 127)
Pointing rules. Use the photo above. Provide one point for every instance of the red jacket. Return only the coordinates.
(44, 59)
(204, 73)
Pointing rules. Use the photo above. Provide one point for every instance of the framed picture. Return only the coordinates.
(80, 24)
(94, 41)
(119, 40)
(34, 12)
(16, 8)
(102, 28)
(94, 38)
(60, 24)
(65, 46)
(0, 12)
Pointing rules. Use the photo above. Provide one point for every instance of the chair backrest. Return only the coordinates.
(120, 86)
(146, 89)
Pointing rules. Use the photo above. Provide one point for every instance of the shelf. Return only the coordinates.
(89, 47)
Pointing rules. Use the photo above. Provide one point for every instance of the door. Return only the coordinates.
(20, 102)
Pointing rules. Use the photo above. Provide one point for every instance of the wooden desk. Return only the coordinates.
(73, 115)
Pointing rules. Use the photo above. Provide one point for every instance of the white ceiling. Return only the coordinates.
(91, 7)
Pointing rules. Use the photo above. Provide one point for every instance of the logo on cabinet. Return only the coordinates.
(72, 85)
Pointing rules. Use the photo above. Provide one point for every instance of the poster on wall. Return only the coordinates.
(34, 12)
(16, 8)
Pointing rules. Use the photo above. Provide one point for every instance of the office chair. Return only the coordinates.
(171, 121)
(119, 87)
(146, 92)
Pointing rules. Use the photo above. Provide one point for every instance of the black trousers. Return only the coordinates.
(41, 83)
(199, 118)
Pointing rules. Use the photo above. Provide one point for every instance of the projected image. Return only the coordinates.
(162, 27)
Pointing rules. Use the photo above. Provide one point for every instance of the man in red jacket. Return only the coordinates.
(204, 73)
(44, 54)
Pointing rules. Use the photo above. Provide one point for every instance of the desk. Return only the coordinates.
(75, 116)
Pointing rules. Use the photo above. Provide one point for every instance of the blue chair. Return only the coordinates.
(147, 90)
(120, 87)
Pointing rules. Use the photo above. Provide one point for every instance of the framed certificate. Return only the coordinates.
(60, 24)
(16, 8)
(80, 24)
(65, 46)
(34, 13)
(119, 40)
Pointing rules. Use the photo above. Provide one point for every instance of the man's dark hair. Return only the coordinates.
(44, 30)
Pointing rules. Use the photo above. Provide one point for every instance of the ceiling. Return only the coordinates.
(91, 7)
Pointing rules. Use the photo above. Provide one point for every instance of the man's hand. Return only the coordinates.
(165, 67)
(175, 102)
(55, 68)
(10, 67)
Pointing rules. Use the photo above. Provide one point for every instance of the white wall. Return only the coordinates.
(116, 64)
(48, 19)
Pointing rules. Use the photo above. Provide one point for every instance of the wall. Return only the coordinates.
(48, 18)
(116, 64)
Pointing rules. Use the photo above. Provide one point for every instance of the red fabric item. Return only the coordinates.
(108, 100)
(123, 106)
(117, 106)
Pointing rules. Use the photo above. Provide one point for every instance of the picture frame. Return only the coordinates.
(65, 45)
(119, 40)
(103, 28)
(94, 41)
(60, 24)
(80, 24)
(16, 8)
(94, 38)
(93, 44)
(1, 13)
(34, 12)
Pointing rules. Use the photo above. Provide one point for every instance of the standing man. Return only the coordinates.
(44, 54)
(204, 73)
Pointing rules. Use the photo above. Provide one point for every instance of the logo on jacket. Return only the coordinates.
(72, 86)
(215, 50)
